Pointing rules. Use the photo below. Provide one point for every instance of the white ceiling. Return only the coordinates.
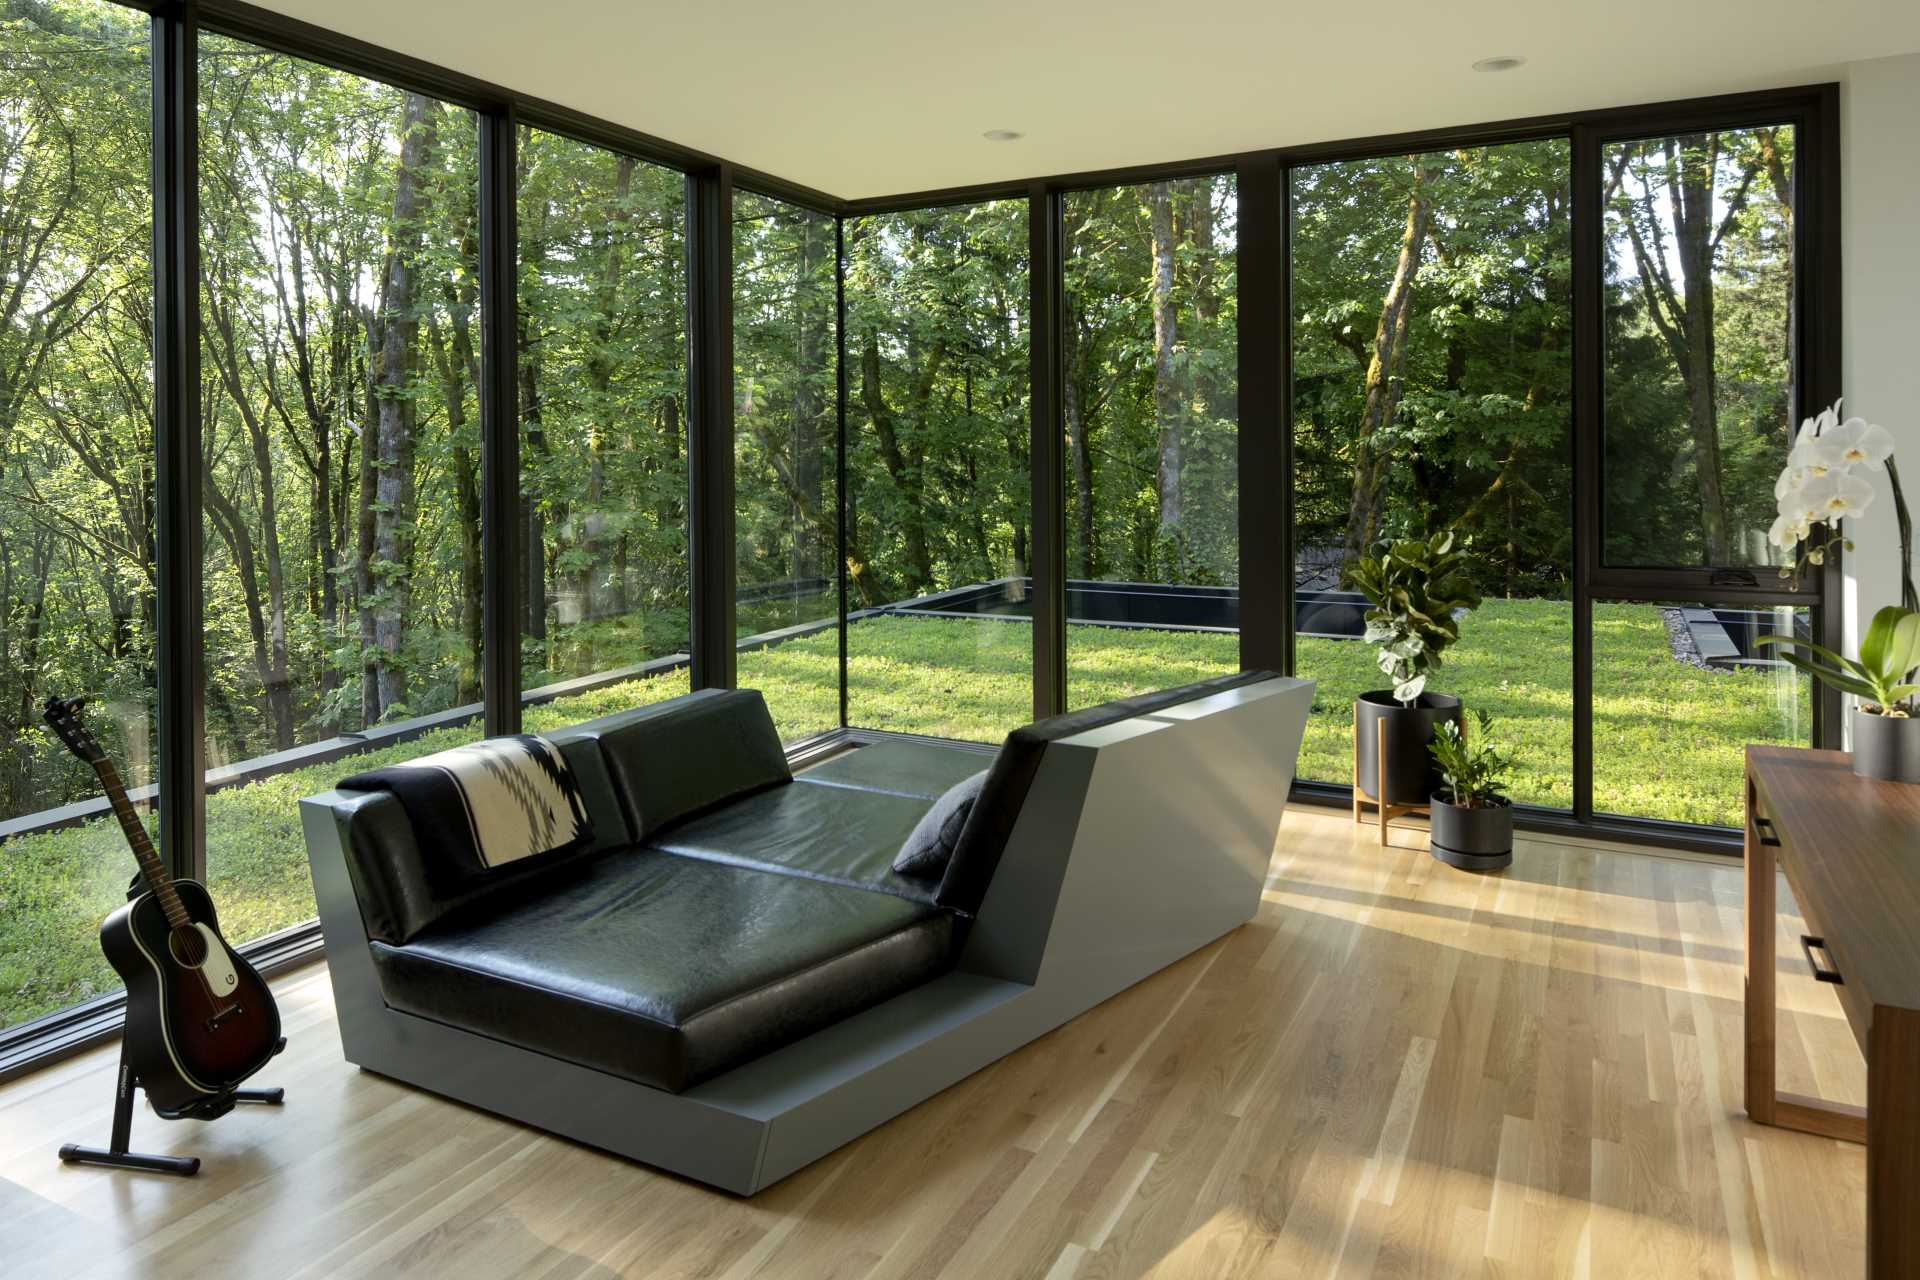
(868, 98)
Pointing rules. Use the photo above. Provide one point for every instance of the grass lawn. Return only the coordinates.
(1667, 743)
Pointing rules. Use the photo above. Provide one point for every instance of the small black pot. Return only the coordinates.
(1411, 775)
(1473, 839)
(1886, 747)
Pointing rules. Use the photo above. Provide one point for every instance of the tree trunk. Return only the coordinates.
(809, 534)
(906, 477)
(394, 515)
(266, 620)
(1780, 178)
(1371, 455)
(1167, 398)
(459, 373)
(1690, 194)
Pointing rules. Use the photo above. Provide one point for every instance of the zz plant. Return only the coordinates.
(1415, 586)
(1475, 775)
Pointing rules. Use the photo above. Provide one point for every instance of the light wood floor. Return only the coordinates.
(1396, 1070)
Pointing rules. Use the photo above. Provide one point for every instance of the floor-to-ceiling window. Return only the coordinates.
(1432, 391)
(77, 542)
(602, 360)
(1700, 402)
(341, 452)
(939, 537)
(1150, 411)
(787, 513)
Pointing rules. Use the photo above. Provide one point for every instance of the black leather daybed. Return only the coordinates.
(731, 979)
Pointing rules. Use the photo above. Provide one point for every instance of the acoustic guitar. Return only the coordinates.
(199, 1019)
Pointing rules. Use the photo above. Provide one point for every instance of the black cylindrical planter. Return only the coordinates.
(1473, 839)
(1411, 776)
(1886, 747)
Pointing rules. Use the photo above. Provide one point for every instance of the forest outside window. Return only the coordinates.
(339, 336)
(787, 523)
(1701, 327)
(602, 364)
(78, 568)
(939, 535)
(1151, 416)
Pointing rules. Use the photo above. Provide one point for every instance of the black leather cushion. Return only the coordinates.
(690, 754)
(828, 833)
(666, 970)
(984, 838)
(929, 846)
(923, 769)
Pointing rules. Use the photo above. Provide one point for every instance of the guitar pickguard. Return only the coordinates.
(222, 978)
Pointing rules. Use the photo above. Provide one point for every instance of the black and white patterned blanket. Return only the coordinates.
(490, 804)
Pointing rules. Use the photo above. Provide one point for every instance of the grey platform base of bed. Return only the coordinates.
(1139, 843)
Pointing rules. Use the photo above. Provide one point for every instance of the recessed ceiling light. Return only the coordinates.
(1003, 135)
(1505, 62)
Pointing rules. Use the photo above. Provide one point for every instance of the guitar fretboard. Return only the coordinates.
(143, 851)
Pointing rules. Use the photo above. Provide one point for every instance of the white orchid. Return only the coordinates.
(1838, 495)
(1786, 532)
(1857, 442)
(1818, 489)
(1799, 508)
(1820, 423)
(1812, 457)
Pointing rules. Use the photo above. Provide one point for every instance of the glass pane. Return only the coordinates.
(1679, 690)
(1152, 420)
(76, 506)
(603, 455)
(1433, 391)
(339, 348)
(939, 637)
(1699, 403)
(788, 509)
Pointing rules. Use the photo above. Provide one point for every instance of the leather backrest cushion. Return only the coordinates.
(398, 895)
(984, 838)
(580, 744)
(692, 754)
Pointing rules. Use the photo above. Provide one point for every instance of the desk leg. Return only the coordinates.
(1893, 1145)
(1762, 921)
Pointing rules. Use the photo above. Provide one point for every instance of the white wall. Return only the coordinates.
(1880, 286)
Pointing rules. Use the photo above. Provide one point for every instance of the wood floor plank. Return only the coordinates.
(1398, 1069)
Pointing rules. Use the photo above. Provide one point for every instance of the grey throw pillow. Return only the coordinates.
(926, 850)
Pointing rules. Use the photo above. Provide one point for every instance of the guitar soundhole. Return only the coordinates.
(189, 946)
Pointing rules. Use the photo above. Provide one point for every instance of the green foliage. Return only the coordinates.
(1415, 587)
(1670, 325)
(1474, 769)
(1480, 437)
(1889, 652)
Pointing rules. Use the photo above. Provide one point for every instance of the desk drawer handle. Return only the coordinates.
(1767, 835)
(1810, 945)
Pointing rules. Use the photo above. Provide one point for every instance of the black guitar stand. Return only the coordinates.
(212, 1107)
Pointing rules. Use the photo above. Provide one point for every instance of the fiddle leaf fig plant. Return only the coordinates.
(1889, 652)
(1415, 586)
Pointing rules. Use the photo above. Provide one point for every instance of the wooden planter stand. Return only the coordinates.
(1387, 812)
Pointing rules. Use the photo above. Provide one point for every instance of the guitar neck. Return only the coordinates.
(144, 853)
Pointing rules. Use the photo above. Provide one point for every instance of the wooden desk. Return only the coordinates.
(1850, 849)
